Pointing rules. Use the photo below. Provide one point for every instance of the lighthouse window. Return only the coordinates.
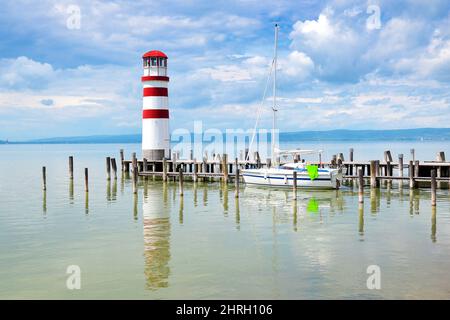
(154, 62)
(161, 62)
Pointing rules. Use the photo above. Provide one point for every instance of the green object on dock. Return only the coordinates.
(313, 171)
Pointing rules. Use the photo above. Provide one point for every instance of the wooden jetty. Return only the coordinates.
(220, 168)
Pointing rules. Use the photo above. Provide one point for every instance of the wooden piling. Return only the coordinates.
(164, 169)
(108, 168)
(114, 167)
(400, 165)
(433, 187)
(387, 156)
(180, 178)
(388, 171)
(377, 172)
(416, 168)
(145, 164)
(294, 185)
(133, 161)
(195, 177)
(350, 158)
(71, 167)
(225, 168)
(236, 178)
(412, 183)
(413, 154)
(86, 180)
(373, 175)
(360, 186)
(122, 159)
(44, 178)
(135, 180)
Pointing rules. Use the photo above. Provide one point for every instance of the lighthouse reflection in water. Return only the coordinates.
(156, 225)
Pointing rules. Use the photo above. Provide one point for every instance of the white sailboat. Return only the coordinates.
(308, 176)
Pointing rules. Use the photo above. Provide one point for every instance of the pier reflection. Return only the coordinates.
(433, 224)
(238, 214)
(44, 202)
(156, 225)
(224, 189)
(71, 198)
(361, 220)
(86, 203)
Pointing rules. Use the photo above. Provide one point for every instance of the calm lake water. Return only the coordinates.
(207, 245)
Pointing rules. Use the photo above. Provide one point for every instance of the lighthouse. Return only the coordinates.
(155, 107)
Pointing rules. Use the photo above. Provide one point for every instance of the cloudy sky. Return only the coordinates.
(339, 65)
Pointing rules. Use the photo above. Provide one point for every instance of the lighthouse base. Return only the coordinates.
(153, 154)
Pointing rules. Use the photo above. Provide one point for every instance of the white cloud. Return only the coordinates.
(297, 65)
(24, 73)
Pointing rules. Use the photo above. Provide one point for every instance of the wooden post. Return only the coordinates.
(387, 156)
(373, 174)
(441, 158)
(236, 178)
(180, 175)
(114, 167)
(350, 158)
(133, 161)
(258, 159)
(400, 165)
(164, 169)
(108, 168)
(361, 186)
(121, 159)
(320, 160)
(433, 187)
(195, 170)
(413, 154)
(388, 171)
(135, 179)
(44, 178)
(86, 180)
(145, 164)
(416, 168)
(377, 172)
(412, 183)
(294, 185)
(71, 167)
(225, 168)
(268, 163)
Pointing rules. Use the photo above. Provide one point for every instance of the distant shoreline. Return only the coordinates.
(420, 134)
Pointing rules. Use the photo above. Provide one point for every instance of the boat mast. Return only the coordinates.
(274, 106)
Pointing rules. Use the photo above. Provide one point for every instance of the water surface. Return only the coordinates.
(207, 244)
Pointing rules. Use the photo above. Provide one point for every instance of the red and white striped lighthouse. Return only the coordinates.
(155, 107)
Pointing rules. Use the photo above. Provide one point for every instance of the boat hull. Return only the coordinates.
(325, 180)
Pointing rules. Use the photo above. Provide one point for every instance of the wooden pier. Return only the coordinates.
(220, 168)
(434, 174)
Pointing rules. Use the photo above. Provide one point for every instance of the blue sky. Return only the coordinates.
(337, 67)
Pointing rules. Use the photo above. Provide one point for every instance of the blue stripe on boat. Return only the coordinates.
(282, 178)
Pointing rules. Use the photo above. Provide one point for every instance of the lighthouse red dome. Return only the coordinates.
(154, 54)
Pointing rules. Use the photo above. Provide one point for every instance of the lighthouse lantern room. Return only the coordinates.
(155, 108)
